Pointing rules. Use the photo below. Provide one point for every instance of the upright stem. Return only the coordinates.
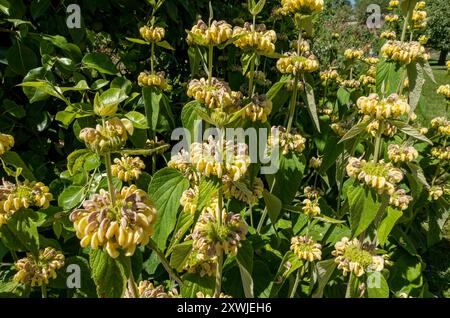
(164, 262)
(44, 291)
(152, 57)
(132, 284)
(210, 63)
(263, 216)
(298, 278)
(252, 75)
(218, 285)
(292, 104)
(376, 154)
(109, 176)
(405, 23)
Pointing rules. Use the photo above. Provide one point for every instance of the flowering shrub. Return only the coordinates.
(345, 193)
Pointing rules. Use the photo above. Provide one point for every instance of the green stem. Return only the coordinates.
(252, 75)
(111, 189)
(298, 279)
(44, 291)
(405, 23)
(132, 284)
(263, 216)
(164, 262)
(292, 105)
(378, 144)
(14, 256)
(152, 57)
(218, 285)
(210, 63)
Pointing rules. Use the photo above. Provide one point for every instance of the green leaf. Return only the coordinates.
(354, 131)
(194, 283)
(20, 233)
(288, 177)
(387, 77)
(246, 60)
(428, 71)
(309, 91)
(138, 41)
(257, 8)
(12, 289)
(244, 259)
(189, 116)
(4, 6)
(13, 159)
(324, 269)
(180, 255)
(416, 81)
(273, 205)
(70, 49)
(71, 197)
(377, 286)
(73, 157)
(99, 62)
(343, 96)
(109, 274)
(387, 224)
(139, 120)
(410, 131)
(21, 58)
(39, 7)
(99, 84)
(152, 99)
(165, 45)
(363, 208)
(207, 187)
(289, 264)
(166, 189)
(204, 115)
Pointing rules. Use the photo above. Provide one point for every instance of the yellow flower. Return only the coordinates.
(311, 208)
(391, 107)
(146, 289)
(38, 273)
(435, 192)
(301, 46)
(259, 39)
(444, 90)
(301, 6)
(258, 109)
(152, 33)
(388, 35)
(402, 154)
(244, 191)
(306, 249)
(124, 224)
(315, 163)
(202, 295)
(442, 153)
(294, 64)
(153, 80)
(215, 95)
(6, 143)
(391, 18)
(423, 39)
(204, 35)
(400, 199)
(13, 197)
(127, 168)
(367, 80)
(353, 54)
(350, 83)
(287, 141)
(108, 137)
(352, 256)
(419, 19)
(442, 125)
(393, 3)
(329, 75)
(404, 52)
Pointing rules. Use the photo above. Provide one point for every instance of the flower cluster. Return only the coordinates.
(373, 127)
(388, 35)
(216, 94)
(402, 154)
(6, 143)
(381, 176)
(123, 223)
(146, 289)
(13, 197)
(354, 257)
(306, 249)
(353, 54)
(404, 52)
(311, 207)
(315, 163)
(367, 80)
(393, 3)
(442, 125)
(350, 83)
(442, 153)
(211, 238)
(300, 46)
(419, 19)
(215, 34)
(153, 80)
(110, 136)
(259, 39)
(444, 90)
(400, 199)
(152, 33)
(244, 191)
(301, 6)
(259, 108)
(436, 191)
(127, 168)
(38, 272)
(294, 64)
(391, 107)
(202, 295)
(182, 162)
(390, 18)
(329, 75)
(289, 142)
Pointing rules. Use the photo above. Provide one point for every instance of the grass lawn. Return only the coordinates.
(431, 104)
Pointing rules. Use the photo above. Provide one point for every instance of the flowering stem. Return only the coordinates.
(292, 104)
(252, 75)
(133, 286)
(218, 286)
(405, 23)
(220, 207)
(263, 216)
(164, 262)
(111, 189)
(210, 62)
(298, 278)
(152, 50)
(377, 144)
(44, 291)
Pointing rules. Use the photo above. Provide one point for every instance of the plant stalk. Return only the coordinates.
(164, 262)
(218, 286)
